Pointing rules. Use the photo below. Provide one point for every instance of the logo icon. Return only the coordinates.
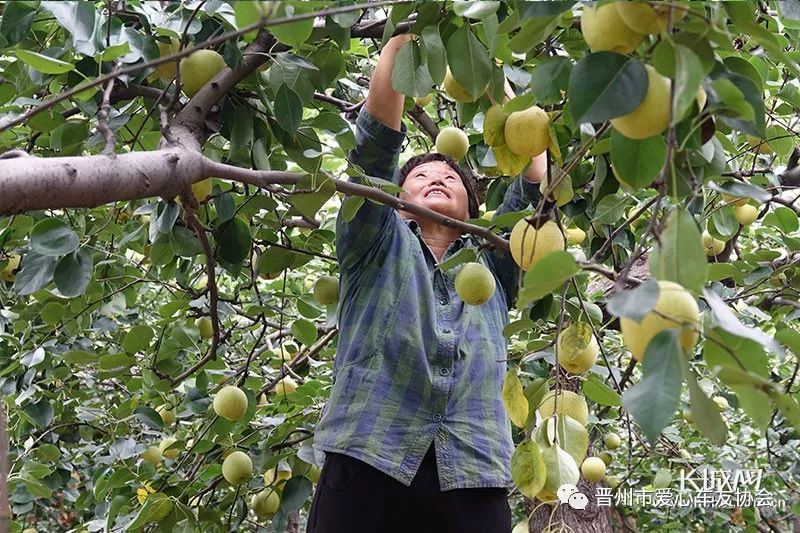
(570, 495)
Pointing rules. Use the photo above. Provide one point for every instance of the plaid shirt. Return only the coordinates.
(414, 364)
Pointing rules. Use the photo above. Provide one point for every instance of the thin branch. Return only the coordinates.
(102, 119)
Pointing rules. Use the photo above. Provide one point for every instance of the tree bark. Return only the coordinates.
(593, 519)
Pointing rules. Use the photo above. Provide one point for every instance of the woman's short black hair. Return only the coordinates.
(465, 174)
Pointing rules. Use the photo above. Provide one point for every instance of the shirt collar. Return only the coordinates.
(461, 241)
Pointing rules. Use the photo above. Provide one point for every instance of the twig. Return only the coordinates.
(102, 118)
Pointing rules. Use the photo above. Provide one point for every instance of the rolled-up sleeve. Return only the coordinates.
(377, 152)
(520, 194)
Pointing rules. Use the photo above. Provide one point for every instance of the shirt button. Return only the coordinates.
(437, 417)
(443, 301)
(445, 331)
(444, 371)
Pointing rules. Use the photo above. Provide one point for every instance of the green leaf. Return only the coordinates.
(654, 400)
(742, 190)
(688, 75)
(241, 143)
(304, 331)
(475, 10)
(350, 207)
(533, 32)
(80, 19)
(550, 273)
(727, 320)
(596, 390)
(528, 469)
(53, 237)
(73, 272)
(784, 219)
(433, 48)
(733, 99)
(464, 255)
(295, 493)
(294, 33)
(549, 78)
(43, 63)
(680, 257)
(704, 410)
(469, 60)
(288, 109)
(156, 507)
(514, 399)
(638, 163)
(789, 338)
(184, 242)
(138, 339)
(149, 417)
(310, 203)
(610, 209)
(41, 413)
(17, 20)
(233, 241)
(634, 303)
(605, 85)
(723, 223)
(80, 357)
(37, 272)
(788, 407)
(410, 76)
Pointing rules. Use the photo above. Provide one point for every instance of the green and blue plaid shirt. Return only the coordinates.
(414, 364)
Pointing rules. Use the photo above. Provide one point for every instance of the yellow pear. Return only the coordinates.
(230, 402)
(569, 403)
(613, 481)
(651, 117)
(746, 214)
(604, 29)
(722, 402)
(687, 415)
(166, 71)
(560, 469)
(529, 245)
(642, 17)
(282, 475)
(202, 189)
(326, 290)
(760, 145)
(675, 308)
(612, 441)
(200, 68)
(734, 200)
(237, 468)
(577, 348)
(452, 141)
(152, 455)
(205, 327)
(593, 469)
(424, 100)
(456, 91)
(527, 132)
(712, 246)
(575, 235)
(285, 386)
(167, 414)
(265, 503)
(474, 283)
(166, 443)
(9, 271)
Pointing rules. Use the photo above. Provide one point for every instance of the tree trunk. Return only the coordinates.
(593, 519)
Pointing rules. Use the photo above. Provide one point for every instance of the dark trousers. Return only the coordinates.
(353, 497)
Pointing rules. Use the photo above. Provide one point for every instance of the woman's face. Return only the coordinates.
(438, 187)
